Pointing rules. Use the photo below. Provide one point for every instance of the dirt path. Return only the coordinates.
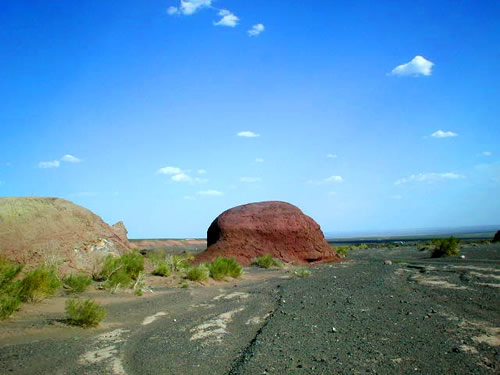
(416, 316)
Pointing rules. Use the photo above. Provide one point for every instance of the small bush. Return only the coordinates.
(343, 250)
(85, 313)
(121, 271)
(302, 272)
(38, 284)
(162, 269)
(220, 268)
(199, 273)
(77, 283)
(363, 246)
(267, 261)
(8, 304)
(445, 247)
(179, 262)
(8, 271)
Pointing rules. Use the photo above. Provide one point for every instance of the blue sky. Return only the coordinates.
(366, 115)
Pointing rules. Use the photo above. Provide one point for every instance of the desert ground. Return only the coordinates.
(417, 315)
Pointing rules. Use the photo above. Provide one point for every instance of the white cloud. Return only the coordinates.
(248, 134)
(256, 29)
(228, 19)
(49, 164)
(210, 193)
(250, 179)
(70, 158)
(429, 177)
(259, 160)
(181, 177)
(189, 7)
(443, 134)
(173, 10)
(418, 66)
(331, 156)
(486, 153)
(202, 171)
(336, 179)
(169, 170)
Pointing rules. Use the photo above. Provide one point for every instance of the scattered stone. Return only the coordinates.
(388, 262)
(276, 228)
(334, 329)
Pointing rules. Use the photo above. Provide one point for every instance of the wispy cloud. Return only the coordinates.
(214, 193)
(256, 29)
(486, 153)
(169, 170)
(228, 19)
(189, 198)
(443, 134)
(181, 177)
(429, 177)
(396, 197)
(250, 179)
(259, 160)
(331, 156)
(49, 164)
(70, 159)
(248, 134)
(202, 171)
(416, 67)
(189, 7)
(328, 180)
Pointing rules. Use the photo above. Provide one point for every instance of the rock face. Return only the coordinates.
(35, 230)
(497, 237)
(277, 228)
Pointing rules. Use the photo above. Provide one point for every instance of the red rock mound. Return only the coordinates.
(277, 228)
(35, 230)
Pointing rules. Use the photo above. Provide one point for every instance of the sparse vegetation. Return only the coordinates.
(179, 262)
(301, 272)
(343, 250)
(77, 283)
(162, 269)
(267, 261)
(443, 247)
(121, 272)
(220, 268)
(8, 304)
(85, 313)
(38, 284)
(198, 273)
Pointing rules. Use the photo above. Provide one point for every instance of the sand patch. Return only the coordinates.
(257, 320)
(231, 296)
(214, 329)
(152, 318)
(436, 282)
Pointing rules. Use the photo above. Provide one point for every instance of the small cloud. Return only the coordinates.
(169, 170)
(397, 197)
(256, 29)
(250, 179)
(70, 159)
(202, 171)
(486, 153)
(189, 7)
(259, 160)
(336, 179)
(247, 134)
(331, 156)
(189, 198)
(181, 177)
(418, 66)
(429, 177)
(49, 164)
(210, 193)
(228, 19)
(443, 134)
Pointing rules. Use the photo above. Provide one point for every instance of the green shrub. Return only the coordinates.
(121, 271)
(162, 269)
(77, 283)
(220, 268)
(363, 246)
(301, 272)
(198, 273)
(38, 284)
(343, 250)
(179, 262)
(8, 271)
(445, 247)
(8, 304)
(267, 261)
(85, 313)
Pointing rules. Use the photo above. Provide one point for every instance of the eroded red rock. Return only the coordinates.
(277, 228)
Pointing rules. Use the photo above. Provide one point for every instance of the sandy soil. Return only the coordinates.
(417, 315)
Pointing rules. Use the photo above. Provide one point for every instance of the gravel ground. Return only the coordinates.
(415, 316)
